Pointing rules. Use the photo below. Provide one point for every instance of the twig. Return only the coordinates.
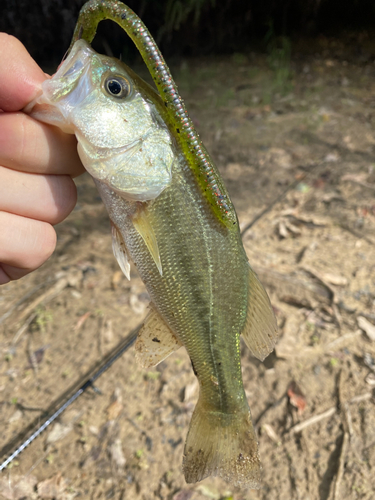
(23, 329)
(22, 300)
(44, 297)
(355, 233)
(340, 471)
(326, 414)
(348, 420)
(360, 183)
(40, 459)
(341, 341)
(362, 397)
(312, 420)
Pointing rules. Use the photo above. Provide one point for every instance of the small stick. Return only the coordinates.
(23, 329)
(348, 420)
(326, 414)
(44, 297)
(340, 471)
(362, 397)
(341, 341)
(21, 301)
(312, 420)
(361, 183)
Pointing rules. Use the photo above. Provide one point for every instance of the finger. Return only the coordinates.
(28, 145)
(49, 198)
(20, 76)
(4, 278)
(25, 244)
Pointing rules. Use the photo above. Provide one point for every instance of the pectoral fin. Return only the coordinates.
(155, 341)
(144, 228)
(120, 252)
(260, 331)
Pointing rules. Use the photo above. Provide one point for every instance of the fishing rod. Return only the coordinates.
(108, 361)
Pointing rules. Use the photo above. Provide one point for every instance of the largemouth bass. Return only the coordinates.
(186, 247)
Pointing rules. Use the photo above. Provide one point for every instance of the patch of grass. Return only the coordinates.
(334, 362)
(225, 97)
(152, 375)
(177, 12)
(43, 318)
(239, 59)
(279, 50)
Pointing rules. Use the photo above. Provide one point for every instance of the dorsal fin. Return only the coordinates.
(260, 331)
(155, 340)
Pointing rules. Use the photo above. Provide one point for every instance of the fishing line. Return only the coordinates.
(115, 354)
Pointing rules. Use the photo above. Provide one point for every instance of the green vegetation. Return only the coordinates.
(279, 51)
(177, 12)
(42, 319)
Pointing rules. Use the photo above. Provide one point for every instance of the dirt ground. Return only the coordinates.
(308, 132)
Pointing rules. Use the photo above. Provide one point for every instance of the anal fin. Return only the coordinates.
(260, 331)
(155, 341)
(120, 252)
(144, 228)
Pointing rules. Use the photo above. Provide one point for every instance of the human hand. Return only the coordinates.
(36, 165)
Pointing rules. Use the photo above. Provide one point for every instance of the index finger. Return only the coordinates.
(20, 76)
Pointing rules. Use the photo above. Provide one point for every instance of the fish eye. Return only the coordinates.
(117, 86)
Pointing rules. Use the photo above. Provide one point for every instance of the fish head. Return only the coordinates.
(122, 138)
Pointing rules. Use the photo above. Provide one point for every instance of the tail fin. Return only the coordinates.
(220, 444)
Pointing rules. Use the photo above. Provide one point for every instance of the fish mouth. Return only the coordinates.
(67, 87)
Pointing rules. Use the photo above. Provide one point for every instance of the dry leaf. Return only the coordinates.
(114, 410)
(16, 416)
(137, 303)
(283, 232)
(190, 391)
(361, 177)
(183, 495)
(81, 321)
(116, 279)
(335, 279)
(208, 491)
(18, 487)
(74, 277)
(367, 327)
(116, 453)
(296, 397)
(58, 432)
(268, 429)
(37, 356)
(107, 331)
(53, 487)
